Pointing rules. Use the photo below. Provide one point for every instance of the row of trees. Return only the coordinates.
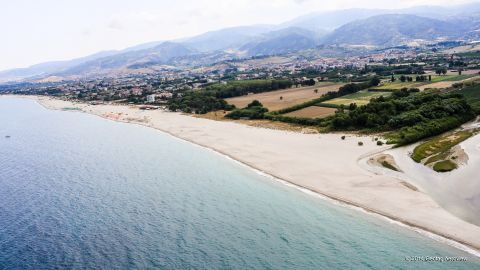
(418, 78)
(199, 102)
(241, 88)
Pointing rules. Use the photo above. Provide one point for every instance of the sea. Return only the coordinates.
(81, 192)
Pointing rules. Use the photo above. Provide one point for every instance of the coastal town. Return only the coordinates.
(158, 87)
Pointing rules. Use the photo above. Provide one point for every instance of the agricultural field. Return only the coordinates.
(397, 85)
(451, 78)
(313, 112)
(472, 95)
(276, 100)
(438, 81)
(448, 82)
(360, 98)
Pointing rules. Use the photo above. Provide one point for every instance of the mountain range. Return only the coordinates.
(360, 27)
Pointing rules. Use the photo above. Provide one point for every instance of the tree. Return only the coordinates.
(255, 103)
(315, 91)
(403, 78)
(392, 79)
(281, 98)
(375, 81)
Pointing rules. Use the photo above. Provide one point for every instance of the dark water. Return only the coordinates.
(81, 192)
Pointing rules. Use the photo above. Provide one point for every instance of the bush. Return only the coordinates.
(254, 110)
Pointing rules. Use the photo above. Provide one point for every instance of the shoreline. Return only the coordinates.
(458, 241)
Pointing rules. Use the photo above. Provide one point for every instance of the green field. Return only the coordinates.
(450, 78)
(397, 85)
(472, 95)
(360, 98)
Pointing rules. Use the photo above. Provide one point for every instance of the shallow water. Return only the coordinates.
(81, 192)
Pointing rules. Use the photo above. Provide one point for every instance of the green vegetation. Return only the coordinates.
(387, 165)
(410, 116)
(242, 88)
(254, 110)
(438, 148)
(359, 98)
(342, 91)
(474, 54)
(71, 109)
(211, 98)
(397, 85)
(199, 102)
(451, 78)
(445, 166)
(472, 94)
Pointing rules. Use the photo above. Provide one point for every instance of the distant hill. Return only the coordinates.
(160, 54)
(330, 20)
(394, 30)
(282, 41)
(367, 27)
(228, 38)
(44, 69)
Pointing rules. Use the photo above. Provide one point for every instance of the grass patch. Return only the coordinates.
(387, 165)
(397, 85)
(438, 146)
(451, 78)
(445, 166)
(360, 98)
(71, 109)
(472, 95)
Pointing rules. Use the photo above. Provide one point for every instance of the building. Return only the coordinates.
(151, 98)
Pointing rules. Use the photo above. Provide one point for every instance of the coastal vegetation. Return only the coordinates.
(241, 88)
(471, 92)
(198, 102)
(254, 110)
(389, 166)
(438, 146)
(406, 116)
(439, 153)
(445, 166)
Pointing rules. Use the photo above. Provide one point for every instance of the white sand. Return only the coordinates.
(322, 163)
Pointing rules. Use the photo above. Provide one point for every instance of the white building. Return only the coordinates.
(151, 98)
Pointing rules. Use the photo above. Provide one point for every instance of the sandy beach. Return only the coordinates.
(322, 163)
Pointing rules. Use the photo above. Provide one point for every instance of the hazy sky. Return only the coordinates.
(34, 31)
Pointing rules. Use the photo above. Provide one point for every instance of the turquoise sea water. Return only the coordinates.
(81, 192)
